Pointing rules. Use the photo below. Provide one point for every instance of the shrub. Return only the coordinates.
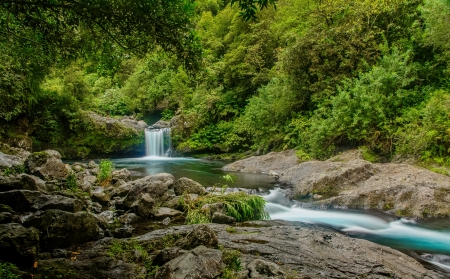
(239, 205)
(71, 181)
(105, 172)
(7, 271)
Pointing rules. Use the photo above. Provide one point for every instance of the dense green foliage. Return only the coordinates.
(316, 75)
(7, 271)
(105, 170)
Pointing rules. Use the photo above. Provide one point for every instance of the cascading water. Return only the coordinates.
(158, 142)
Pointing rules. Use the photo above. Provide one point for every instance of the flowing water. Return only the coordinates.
(158, 142)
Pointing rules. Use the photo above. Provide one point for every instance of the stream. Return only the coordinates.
(426, 240)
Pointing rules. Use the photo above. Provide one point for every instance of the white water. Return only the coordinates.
(158, 142)
(398, 234)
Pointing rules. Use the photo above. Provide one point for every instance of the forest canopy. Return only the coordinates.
(318, 76)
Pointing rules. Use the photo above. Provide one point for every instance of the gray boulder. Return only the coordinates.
(100, 195)
(262, 269)
(46, 165)
(201, 235)
(128, 218)
(221, 218)
(24, 200)
(143, 206)
(179, 201)
(164, 212)
(168, 254)
(24, 182)
(60, 229)
(122, 174)
(18, 245)
(10, 161)
(188, 186)
(200, 263)
(160, 124)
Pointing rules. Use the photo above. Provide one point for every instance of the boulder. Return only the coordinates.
(143, 206)
(128, 218)
(179, 201)
(5, 217)
(46, 165)
(122, 174)
(200, 263)
(10, 161)
(18, 245)
(167, 254)
(262, 269)
(156, 185)
(24, 182)
(20, 152)
(221, 218)
(201, 235)
(164, 212)
(275, 162)
(188, 186)
(166, 221)
(99, 195)
(160, 124)
(124, 232)
(24, 200)
(60, 229)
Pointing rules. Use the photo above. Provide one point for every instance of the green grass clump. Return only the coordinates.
(240, 205)
(105, 172)
(14, 170)
(71, 181)
(232, 260)
(7, 271)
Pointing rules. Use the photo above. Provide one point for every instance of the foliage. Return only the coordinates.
(7, 271)
(239, 205)
(104, 175)
(71, 181)
(14, 170)
(232, 260)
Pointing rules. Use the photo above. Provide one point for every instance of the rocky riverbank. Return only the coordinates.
(65, 221)
(349, 181)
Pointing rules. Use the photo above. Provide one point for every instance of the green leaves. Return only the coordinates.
(250, 7)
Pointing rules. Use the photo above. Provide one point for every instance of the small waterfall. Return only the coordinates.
(158, 142)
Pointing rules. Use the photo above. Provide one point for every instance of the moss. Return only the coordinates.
(39, 157)
(368, 155)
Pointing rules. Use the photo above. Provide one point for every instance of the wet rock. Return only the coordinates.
(99, 195)
(124, 232)
(188, 186)
(59, 253)
(201, 235)
(168, 254)
(60, 229)
(272, 162)
(122, 174)
(18, 245)
(46, 165)
(24, 182)
(221, 218)
(10, 161)
(200, 263)
(166, 221)
(161, 124)
(128, 218)
(262, 269)
(164, 212)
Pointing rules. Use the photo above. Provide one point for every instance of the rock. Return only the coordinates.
(86, 181)
(213, 207)
(119, 183)
(327, 178)
(92, 165)
(143, 207)
(122, 174)
(179, 201)
(78, 167)
(46, 165)
(168, 254)
(59, 253)
(166, 221)
(10, 161)
(128, 218)
(60, 229)
(164, 212)
(200, 263)
(105, 217)
(262, 269)
(220, 218)
(20, 152)
(160, 124)
(188, 186)
(156, 185)
(5, 217)
(274, 161)
(201, 235)
(94, 207)
(24, 182)
(124, 232)
(24, 200)
(18, 245)
(99, 195)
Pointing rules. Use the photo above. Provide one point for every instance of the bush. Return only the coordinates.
(239, 205)
(105, 172)
(7, 271)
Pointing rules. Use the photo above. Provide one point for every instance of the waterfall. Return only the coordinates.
(158, 142)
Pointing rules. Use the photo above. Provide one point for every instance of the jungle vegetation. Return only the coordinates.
(315, 75)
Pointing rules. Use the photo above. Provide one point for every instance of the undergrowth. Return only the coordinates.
(7, 271)
(232, 260)
(105, 172)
